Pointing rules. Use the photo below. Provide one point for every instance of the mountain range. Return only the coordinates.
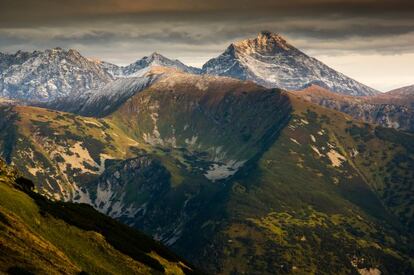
(267, 60)
(56, 73)
(230, 172)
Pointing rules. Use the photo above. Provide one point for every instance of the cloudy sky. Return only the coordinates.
(369, 40)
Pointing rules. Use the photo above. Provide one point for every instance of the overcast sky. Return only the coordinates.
(369, 40)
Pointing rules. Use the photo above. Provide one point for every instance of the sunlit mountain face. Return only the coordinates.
(194, 137)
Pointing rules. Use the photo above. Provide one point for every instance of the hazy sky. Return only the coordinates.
(369, 40)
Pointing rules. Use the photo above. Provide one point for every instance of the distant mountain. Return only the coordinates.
(141, 66)
(103, 101)
(57, 73)
(272, 62)
(7, 60)
(394, 109)
(403, 96)
(39, 236)
(145, 64)
(49, 74)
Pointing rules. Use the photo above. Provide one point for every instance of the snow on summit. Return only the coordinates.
(271, 61)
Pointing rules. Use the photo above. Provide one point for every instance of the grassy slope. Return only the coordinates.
(221, 115)
(46, 237)
(296, 212)
(42, 143)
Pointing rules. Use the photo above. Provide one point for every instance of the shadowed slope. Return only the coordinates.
(40, 236)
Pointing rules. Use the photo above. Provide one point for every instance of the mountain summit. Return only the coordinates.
(49, 74)
(155, 59)
(57, 73)
(271, 61)
(266, 43)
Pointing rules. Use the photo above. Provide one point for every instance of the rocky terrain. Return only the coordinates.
(103, 101)
(47, 75)
(394, 109)
(272, 62)
(56, 73)
(141, 66)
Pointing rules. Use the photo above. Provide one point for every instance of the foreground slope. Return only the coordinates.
(38, 236)
(236, 177)
(394, 109)
(272, 62)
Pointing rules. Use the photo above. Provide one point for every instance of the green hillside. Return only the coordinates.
(310, 204)
(38, 236)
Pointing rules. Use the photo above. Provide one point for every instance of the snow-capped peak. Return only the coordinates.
(141, 66)
(49, 74)
(271, 61)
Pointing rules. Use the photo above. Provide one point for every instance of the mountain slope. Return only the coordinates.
(276, 213)
(103, 101)
(49, 74)
(141, 66)
(404, 95)
(270, 61)
(40, 236)
(57, 73)
(30, 133)
(394, 109)
(236, 177)
(60, 151)
(7, 60)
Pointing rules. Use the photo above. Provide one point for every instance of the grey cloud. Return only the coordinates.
(122, 31)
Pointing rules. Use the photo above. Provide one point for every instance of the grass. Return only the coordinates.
(297, 212)
(76, 237)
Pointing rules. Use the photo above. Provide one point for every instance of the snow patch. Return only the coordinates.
(223, 171)
(316, 151)
(313, 138)
(295, 141)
